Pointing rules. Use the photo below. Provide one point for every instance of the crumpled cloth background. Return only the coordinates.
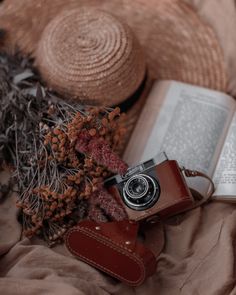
(198, 258)
(199, 252)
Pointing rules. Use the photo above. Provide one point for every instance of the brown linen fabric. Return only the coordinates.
(10, 229)
(199, 254)
(198, 258)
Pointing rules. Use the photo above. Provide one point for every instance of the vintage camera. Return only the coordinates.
(153, 188)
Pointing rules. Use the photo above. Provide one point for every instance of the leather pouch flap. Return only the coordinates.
(119, 255)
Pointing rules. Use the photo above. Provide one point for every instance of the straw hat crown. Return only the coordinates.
(90, 54)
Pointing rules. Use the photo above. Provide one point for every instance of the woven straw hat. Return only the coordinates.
(178, 45)
(89, 54)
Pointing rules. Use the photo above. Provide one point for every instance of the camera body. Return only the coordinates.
(155, 188)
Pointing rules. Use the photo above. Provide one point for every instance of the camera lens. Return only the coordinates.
(137, 187)
(141, 191)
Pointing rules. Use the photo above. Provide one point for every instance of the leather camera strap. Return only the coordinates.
(199, 198)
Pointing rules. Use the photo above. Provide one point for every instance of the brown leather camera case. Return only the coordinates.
(175, 195)
(112, 247)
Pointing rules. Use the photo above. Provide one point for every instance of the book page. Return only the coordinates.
(225, 173)
(190, 127)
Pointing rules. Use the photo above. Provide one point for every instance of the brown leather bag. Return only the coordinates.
(114, 248)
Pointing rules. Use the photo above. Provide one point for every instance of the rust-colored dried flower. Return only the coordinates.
(100, 151)
(62, 152)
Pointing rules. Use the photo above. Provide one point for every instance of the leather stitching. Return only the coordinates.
(102, 240)
(88, 233)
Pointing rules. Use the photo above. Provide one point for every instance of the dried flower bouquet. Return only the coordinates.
(61, 152)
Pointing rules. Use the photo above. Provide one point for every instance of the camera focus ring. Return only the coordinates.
(136, 186)
(141, 191)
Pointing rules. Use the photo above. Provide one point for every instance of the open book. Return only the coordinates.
(195, 126)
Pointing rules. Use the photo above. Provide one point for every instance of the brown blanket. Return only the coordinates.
(198, 257)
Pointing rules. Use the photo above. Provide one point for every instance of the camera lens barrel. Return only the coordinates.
(141, 191)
